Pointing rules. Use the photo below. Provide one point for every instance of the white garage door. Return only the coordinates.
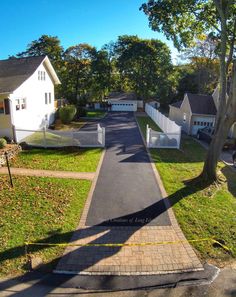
(124, 106)
(200, 125)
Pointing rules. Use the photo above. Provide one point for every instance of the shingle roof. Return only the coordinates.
(202, 104)
(117, 96)
(177, 104)
(14, 71)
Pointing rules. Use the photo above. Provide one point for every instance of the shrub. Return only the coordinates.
(67, 113)
(3, 143)
(8, 139)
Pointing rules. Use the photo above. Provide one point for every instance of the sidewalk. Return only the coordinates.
(48, 173)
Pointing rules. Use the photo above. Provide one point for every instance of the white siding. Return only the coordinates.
(182, 116)
(123, 105)
(232, 132)
(33, 90)
(199, 122)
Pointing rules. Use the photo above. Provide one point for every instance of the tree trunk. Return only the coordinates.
(225, 123)
(222, 124)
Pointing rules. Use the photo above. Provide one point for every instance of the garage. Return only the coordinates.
(124, 106)
(200, 123)
(121, 101)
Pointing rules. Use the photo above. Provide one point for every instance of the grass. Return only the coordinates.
(95, 114)
(37, 209)
(37, 138)
(144, 121)
(202, 211)
(68, 159)
(72, 125)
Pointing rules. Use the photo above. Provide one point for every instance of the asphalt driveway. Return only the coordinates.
(126, 193)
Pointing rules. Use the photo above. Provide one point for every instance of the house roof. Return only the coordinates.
(202, 104)
(14, 71)
(118, 96)
(177, 104)
(199, 104)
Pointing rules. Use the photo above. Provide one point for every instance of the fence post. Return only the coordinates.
(103, 137)
(44, 137)
(179, 138)
(14, 134)
(147, 135)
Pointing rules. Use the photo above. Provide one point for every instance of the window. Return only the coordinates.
(46, 98)
(184, 117)
(23, 103)
(1, 107)
(50, 98)
(41, 75)
(17, 104)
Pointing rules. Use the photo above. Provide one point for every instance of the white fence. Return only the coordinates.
(171, 135)
(55, 138)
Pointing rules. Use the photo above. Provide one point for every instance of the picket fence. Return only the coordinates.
(170, 137)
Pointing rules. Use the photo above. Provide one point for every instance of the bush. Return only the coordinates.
(3, 143)
(8, 139)
(67, 113)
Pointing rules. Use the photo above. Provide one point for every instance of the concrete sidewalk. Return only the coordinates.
(48, 173)
(127, 206)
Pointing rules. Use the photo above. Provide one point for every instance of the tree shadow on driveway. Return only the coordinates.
(111, 232)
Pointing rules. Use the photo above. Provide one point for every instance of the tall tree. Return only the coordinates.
(186, 21)
(146, 64)
(78, 78)
(101, 71)
(204, 62)
(45, 46)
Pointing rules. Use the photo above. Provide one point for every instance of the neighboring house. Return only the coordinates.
(26, 94)
(124, 102)
(196, 112)
(154, 103)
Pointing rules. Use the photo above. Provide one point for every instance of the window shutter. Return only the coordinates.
(7, 106)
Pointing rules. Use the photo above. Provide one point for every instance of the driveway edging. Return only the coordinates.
(171, 214)
(90, 195)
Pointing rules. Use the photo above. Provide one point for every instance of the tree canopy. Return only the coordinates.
(183, 23)
(145, 64)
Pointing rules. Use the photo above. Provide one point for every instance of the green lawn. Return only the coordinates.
(68, 159)
(95, 114)
(202, 211)
(37, 209)
(52, 139)
(144, 121)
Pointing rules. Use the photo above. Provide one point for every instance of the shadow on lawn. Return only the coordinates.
(231, 179)
(108, 235)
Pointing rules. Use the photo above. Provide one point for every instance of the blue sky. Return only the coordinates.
(74, 21)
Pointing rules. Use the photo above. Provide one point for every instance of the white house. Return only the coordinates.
(26, 94)
(124, 102)
(195, 112)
